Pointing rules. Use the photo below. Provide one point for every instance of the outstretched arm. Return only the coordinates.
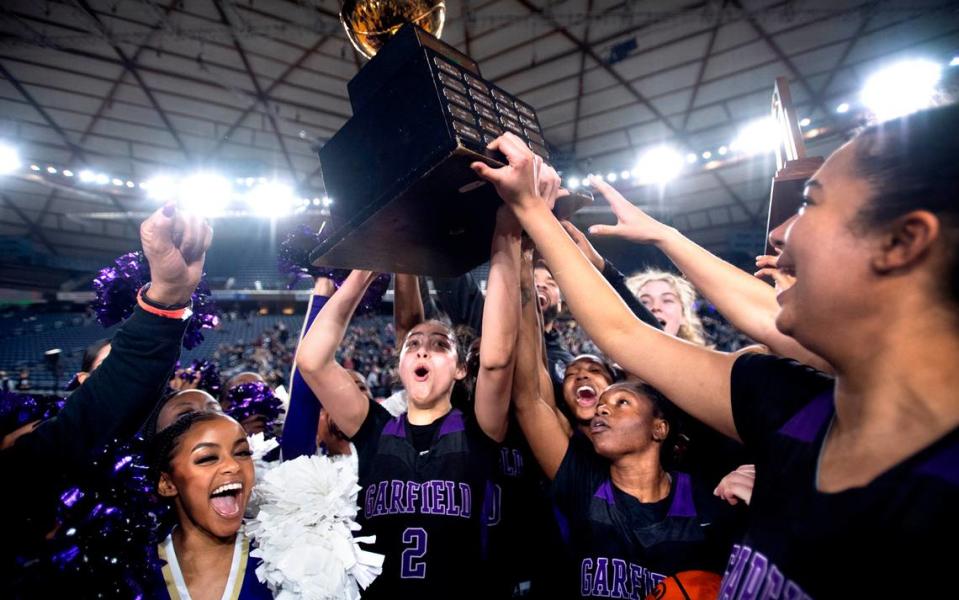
(500, 322)
(546, 430)
(408, 310)
(745, 301)
(299, 427)
(696, 379)
(316, 356)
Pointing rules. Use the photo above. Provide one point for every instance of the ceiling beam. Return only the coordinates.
(640, 98)
(260, 95)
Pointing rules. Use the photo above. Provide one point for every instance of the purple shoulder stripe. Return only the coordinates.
(605, 492)
(943, 464)
(453, 423)
(683, 505)
(395, 428)
(809, 421)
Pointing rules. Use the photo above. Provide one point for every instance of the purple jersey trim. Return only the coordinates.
(605, 492)
(453, 423)
(809, 421)
(683, 505)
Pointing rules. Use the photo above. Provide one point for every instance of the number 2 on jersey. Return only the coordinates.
(412, 564)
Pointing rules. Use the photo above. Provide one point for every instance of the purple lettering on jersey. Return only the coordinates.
(511, 462)
(601, 580)
(806, 423)
(453, 423)
(586, 577)
(604, 577)
(619, 587)
(413, 493)
(436, 497)
(682, 505)
(734, 572)
(754, 577)
(763, 580)
(398, 492)
(442, 501)
(793, 592)
(605, 492)
(637, 576)
(652, 580)
(466, 500)
(370, 499)
(429, 497)
(774, 584)
(381, 493)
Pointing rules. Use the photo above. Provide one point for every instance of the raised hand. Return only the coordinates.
(519, 182)
(175, 245)
(631, 222)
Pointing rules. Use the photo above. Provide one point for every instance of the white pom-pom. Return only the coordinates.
(304, 530)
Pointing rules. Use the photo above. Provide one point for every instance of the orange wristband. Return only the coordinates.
(181, 314)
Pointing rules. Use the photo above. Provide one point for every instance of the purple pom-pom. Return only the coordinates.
(293, 257)
(254, 399)
(117, 287)
(109, 527)
(374, 293)
(205, 374)
(16, 410)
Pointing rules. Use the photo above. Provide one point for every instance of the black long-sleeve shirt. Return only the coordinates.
(112, 404)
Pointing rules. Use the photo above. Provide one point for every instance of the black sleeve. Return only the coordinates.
(112, 404)
(366, 437)
(618, 281)
(767, 391)
(578, 477)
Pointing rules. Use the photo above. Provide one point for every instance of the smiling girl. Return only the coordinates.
(204, 466)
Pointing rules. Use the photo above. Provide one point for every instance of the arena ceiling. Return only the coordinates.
(133, 88)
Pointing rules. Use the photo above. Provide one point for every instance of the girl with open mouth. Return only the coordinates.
(425, 474)
(203, 465)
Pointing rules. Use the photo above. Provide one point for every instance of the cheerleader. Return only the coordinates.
(203, 465)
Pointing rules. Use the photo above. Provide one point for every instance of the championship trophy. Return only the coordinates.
(404, 197)
(793, 167)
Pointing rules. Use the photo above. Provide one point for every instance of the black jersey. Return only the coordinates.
(525, 545)
(624, 547)
(893, 537)
(426, 495)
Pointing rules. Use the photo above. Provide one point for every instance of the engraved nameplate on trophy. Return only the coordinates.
(404, 197)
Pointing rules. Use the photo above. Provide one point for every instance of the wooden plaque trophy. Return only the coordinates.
(793, 167)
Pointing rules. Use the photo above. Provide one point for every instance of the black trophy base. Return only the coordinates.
(421, 230)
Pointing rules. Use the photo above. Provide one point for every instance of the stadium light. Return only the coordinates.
(758, 137)
(611, 177)
(843, 108)
(573, 183)
(9, 159)
(901, 88)
(271, 199)
(101, 179)
(660, 165)
(161, 187)
(205, 193)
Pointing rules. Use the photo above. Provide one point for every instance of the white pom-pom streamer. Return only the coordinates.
(304, 531)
